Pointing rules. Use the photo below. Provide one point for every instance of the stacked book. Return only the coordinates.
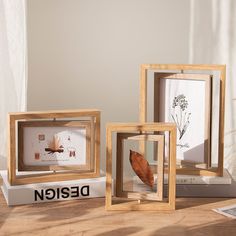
(195, 186)
(52, 191)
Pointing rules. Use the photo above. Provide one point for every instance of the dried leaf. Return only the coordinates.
(54, 146)
(141, 167)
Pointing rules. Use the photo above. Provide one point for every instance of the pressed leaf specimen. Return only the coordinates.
(141, 167)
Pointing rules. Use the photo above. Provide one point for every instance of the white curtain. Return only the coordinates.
(12, 65)
(213, 41)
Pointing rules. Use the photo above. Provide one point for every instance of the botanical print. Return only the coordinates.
(183, 102)
(54, 146)
(181, 117)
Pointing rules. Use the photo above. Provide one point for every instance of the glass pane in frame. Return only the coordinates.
(174, 101)
(139, 180)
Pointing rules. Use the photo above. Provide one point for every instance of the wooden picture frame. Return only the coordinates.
(90, 115)
(159, 139)
(69, 153)
(201, 83)
(139, 128)
(221, 69)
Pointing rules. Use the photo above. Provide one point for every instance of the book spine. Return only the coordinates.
(192, 180)
(29, 195)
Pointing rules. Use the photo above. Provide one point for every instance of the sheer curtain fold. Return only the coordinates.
(213, 41)
(12, 65)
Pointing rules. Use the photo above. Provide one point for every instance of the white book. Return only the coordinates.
(193, 179)
(52, 191)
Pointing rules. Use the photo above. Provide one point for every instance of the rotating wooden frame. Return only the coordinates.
(216, 171)
(138, 128)
(14, 118)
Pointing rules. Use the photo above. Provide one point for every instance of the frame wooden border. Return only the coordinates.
(13, 119)
(80, 124)
(160, 166)
(208, 106)
(218, 171)
(141, 127)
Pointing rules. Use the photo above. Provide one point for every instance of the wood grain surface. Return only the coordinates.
(89, 217)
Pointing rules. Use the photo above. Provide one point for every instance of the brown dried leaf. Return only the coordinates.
(54, 145)
(141, 167)
(56, 141)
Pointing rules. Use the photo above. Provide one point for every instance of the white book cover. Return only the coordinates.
(193, 179)
(52, 191)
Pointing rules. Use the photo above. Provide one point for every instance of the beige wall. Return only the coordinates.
(86, 53)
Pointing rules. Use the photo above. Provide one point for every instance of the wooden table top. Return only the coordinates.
(193, 216)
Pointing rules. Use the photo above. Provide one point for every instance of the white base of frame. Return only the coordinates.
(31, 193)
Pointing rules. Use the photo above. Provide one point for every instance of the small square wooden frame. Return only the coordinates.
(218, 171)
(141, 128)
(13, 119)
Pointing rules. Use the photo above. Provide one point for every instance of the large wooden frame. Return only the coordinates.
(208, 111)
(141, 128)
(14, 118)
(218, 171)
(22, 166)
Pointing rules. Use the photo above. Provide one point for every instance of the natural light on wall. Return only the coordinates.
(12, 65)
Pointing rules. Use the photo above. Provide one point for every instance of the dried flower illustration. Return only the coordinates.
(180, 116)
(54, 146)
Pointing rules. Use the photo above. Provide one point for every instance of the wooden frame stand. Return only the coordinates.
(132, 131)
(167, 68)
(70, 118)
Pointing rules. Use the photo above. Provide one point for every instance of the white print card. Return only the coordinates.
(60, 146)
(229, 211)
(183, 102)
